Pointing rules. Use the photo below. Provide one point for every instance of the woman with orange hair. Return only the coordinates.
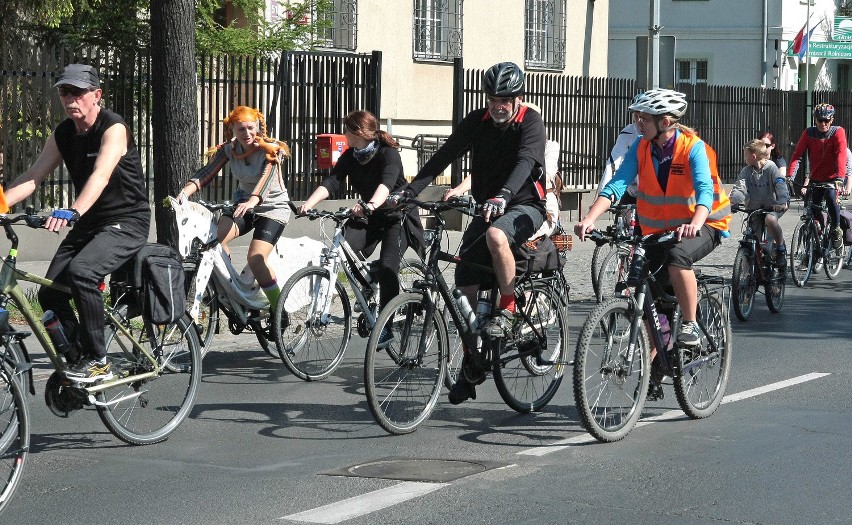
(256, 164)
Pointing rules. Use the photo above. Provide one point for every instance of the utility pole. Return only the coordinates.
(654, 46)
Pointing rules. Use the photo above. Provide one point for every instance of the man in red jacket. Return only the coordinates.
(825, 145)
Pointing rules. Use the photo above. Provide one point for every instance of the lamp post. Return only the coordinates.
(775, 73)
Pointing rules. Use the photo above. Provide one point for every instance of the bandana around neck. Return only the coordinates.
(365, 154)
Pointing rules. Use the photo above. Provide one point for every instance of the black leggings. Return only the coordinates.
(365, 236)
(82, 261)
(832, 206)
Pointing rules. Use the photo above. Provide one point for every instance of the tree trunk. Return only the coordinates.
(175, 113)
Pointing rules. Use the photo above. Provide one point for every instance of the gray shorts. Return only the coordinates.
(518, 223)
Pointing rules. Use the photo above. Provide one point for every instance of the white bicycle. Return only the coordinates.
(214, 284)
(314, 314)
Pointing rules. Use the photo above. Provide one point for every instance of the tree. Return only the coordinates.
(175, 118)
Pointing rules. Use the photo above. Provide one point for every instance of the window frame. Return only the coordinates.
(694, 67)
(544, 34)
(437, 30)
(343, 33)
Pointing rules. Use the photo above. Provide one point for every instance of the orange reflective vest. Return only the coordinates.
(660, 211)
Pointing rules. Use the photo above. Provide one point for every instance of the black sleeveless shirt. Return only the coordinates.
(125, 194)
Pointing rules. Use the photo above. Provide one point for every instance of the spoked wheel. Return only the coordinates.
(14, 426)
(610, 379)
(598, 256)
(744, 284)
(613, 270)
(148, 410)
(848, 258)
(531, 365)
(833, 262)
(702, 371)
(403, 380)
(12, 353)
(775, 289)
(208, 314)
(802, 254)
(311, 342)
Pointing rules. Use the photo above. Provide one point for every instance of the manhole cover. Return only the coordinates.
(416, 469)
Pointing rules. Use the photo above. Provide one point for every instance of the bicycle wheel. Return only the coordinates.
(410, 270)
(310, 343)
(802, 254)
(208, 314)
(848, 259)
(610, 380)
(613, 270)
(775, 289)
(14, 422)
(744, 284)
(833, 262)
(13, 353)
(530, 366)
(702, 373)
(402, 382)
(148, 410)
(598, 257)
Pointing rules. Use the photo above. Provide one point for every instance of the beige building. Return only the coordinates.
(419, 39)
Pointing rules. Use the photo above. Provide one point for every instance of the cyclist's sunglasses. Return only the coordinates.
(823, 120)
(74, 91)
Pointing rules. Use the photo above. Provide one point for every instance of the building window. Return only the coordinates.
(545, 34)
(692, 71)
(437, 30)
(343, 30)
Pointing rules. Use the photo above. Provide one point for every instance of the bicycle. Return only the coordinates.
(314, 314)
(157, 368)
(14, 419)
(612, 369)
(623, 220)
(614, 267)
(755, 266)
(403, 380)
(812, 248)
(214, 285)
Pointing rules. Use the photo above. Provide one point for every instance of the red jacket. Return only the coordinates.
(827, 156)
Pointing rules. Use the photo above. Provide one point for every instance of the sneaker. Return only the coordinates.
(818, 265)
(385, 338)
(690, 334)
(500, 324)
(90, 371)
(462, 390)
(781, 257)
(837, 237)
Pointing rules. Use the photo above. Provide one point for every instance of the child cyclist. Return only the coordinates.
(761, 185)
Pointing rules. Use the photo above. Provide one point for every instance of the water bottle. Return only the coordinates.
(57, 335)
(665, 329)
(637, 266)
(483, 306)
(464, 307)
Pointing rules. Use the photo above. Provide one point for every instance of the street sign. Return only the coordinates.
(667, 62)
(842, 29)
(827, 50)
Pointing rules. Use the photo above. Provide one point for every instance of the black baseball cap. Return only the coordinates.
(79, 75)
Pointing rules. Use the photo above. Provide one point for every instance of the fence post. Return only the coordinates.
(458, 113)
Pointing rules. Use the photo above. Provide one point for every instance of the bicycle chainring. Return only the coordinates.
(61, 397)
(363, 329)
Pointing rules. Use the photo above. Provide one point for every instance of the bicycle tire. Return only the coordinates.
(613, 270)
(700, 389)
(208, 315)
(149, 410)
(402, 392)
(848, 260)
(531, 366)
(833, 262)
(598, 255)
(802, 254)
(14, 419)
(609, 390)
(14, 353)
(310, 348)
(775, 290)
(743, 284)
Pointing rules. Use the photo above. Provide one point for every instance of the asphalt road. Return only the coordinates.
(259, 443)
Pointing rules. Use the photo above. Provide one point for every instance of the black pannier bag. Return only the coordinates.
(536, 256)
(155, 278)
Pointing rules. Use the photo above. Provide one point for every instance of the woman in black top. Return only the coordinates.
(374, 169)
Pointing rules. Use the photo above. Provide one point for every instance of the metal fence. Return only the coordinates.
(302, 95)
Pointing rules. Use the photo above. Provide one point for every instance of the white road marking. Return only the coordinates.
(366, 503)
(673, 414)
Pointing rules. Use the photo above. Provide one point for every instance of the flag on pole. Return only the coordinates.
(800, 43)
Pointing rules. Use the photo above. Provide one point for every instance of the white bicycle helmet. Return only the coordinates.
(660, 102)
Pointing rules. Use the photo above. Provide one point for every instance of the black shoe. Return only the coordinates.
(462, 391)
(690, 334)
(90, 371)
(781, 257)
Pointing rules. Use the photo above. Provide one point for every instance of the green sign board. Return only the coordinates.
(842, 30)
(828, 50)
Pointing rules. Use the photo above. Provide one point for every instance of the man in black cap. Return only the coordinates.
(110, 212)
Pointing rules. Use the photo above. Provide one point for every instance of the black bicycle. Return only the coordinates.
(755, 266)
(812, 248)
(404, 379)
(612, 364)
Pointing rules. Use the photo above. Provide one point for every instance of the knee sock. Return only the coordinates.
(272, 292)
(507, 302)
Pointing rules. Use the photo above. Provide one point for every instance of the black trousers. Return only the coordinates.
(365, 236)
(82, 261)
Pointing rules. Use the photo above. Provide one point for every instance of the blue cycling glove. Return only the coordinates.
(69, 215)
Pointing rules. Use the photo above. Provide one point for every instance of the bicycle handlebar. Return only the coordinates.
(313, 214)
(654, 239)
(464, 205)
(29, 219)
(227, 208)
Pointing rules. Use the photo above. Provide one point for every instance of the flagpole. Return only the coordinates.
(809, 95)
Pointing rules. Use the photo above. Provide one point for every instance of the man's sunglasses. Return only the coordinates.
(823, 120)
(74, 91)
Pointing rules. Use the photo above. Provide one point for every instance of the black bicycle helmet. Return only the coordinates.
(824, 111)
(503, 80)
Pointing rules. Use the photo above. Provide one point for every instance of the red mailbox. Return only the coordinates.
(329, 148)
